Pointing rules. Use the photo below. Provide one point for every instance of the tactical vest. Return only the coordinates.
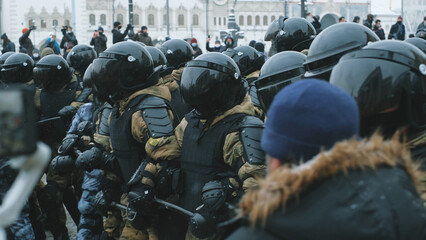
(127, 150)
(53, 132)
(202, 155)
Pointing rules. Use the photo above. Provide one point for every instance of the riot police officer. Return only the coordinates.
(208, 137)
(294, 34)
(59, 90)
(279, 71)
(389, 90)
(141, 118)
(178, 53)
(249, 62)
(3, 59)
(79, 58)
(418, 42)
(331, 44)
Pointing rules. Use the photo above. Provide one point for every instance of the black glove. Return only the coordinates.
(64, 31)
(62, 164)
(90, 159)
(129, 26)
(68, 143)
(67, 112)
(141, 200)
(32, 27)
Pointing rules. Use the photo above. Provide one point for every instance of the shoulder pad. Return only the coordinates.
(253, 96)
(250, 135)
(156, 116)
(84, 95)
(103, 120)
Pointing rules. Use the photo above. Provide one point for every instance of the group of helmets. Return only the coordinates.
(52, 72)
(386, 78)
(129, 66)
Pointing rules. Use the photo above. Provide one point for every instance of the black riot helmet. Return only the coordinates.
(80, 57)
(418, 42)
(332, 43)
(3, 58)
(178, 52)
(295, 34)
(53, 72)
(157, 56)
(247, 59)
(279, 71)
(122, 69)
(18, 68)
(273, 29)
(386, 79)
(212, 84)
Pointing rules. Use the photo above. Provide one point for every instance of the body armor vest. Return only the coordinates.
(202, 155)
(103, 114)
(53, 132)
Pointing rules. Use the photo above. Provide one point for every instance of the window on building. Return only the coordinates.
(214, 21)
(151, 20)
(120, 18)
(67, 22)
(257, 21)
(272, 19)
(103, 19)
(181, 20)
(265, 20)
(224, 21)
(241, 21)
(248, 20)
(43, 24)
(55, 22)
(30, 22)
(220, 21)
(195, 20)
(135, 19)
(92, 20)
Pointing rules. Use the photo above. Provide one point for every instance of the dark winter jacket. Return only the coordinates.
(8, 46)
(368, 23)
(143, 38)
(99, 43)
(397, 32)
(25, 42)
(357, 190)
(197, 51)
(379, 32)
(68, 37)
(117, 36)
(221, 48)
(422, 26)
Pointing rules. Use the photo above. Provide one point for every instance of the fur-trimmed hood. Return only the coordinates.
(288, 183)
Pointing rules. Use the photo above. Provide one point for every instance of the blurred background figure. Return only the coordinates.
(8, 46)
(25, 43)
(356, 19)
(51, 42)
(397, 30)
(197, 49)
(369, 21)
(378, 30)
(217, 46)
(99, 40)
(69, 40)
(143, 36)
(341, 19)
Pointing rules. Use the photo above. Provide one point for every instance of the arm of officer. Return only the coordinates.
(234, 155)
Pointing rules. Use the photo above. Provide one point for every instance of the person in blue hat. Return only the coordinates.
(325, 183)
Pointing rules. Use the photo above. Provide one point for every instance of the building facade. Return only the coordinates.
(188, 18)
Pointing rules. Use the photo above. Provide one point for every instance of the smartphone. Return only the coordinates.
(17, 121)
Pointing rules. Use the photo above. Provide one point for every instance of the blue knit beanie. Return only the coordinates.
(306, 116)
